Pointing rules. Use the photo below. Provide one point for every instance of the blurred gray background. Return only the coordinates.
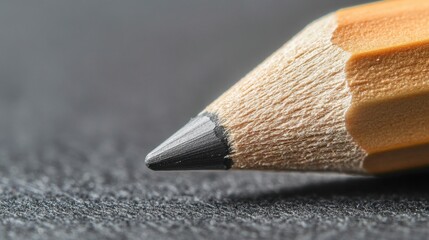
(87, 88)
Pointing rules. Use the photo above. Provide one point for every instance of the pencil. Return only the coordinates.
(349, 93)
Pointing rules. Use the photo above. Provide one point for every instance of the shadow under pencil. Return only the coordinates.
(405, 184)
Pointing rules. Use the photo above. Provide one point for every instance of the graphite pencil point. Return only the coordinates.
(200, 145)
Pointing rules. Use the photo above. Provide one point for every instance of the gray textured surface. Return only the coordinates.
(87, 88)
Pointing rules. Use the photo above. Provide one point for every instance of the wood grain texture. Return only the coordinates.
(289, 113)
(347, 94)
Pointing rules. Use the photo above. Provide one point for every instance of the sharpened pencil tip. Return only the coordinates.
(200, 145)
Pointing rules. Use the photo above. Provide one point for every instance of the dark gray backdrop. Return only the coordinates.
(87, 88)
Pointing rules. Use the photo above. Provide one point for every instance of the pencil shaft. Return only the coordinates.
(349, 93)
